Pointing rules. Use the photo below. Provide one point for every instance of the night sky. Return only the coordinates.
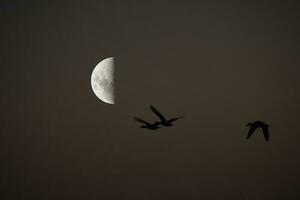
(221, 64)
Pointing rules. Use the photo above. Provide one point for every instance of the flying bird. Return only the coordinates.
(163, 120)
(148, 125)
(258, 124)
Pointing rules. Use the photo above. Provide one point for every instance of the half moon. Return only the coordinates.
(102, 80)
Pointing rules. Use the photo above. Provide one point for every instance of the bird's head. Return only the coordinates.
(249, 124)
(156, 123)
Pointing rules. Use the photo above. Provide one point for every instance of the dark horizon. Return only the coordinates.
(221, 64)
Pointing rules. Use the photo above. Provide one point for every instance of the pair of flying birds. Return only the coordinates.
(168, 122)
(156, 125)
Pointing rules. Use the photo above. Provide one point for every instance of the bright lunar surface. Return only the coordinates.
(102, 80)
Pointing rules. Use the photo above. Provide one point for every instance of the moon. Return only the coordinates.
(102, 80)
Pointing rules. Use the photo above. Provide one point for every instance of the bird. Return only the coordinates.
(163, 120)
(258, 124)
(147, 125)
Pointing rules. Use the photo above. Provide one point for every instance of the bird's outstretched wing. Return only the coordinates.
(251, 131)
(266, 132)
(175, 118)
(161, 117)
(141, 120)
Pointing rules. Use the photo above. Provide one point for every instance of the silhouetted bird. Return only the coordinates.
(147, 125)
(258, 124)
(163, 120)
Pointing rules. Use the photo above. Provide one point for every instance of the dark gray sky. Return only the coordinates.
(221, 64)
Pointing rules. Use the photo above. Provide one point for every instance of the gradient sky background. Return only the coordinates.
(221, 64)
